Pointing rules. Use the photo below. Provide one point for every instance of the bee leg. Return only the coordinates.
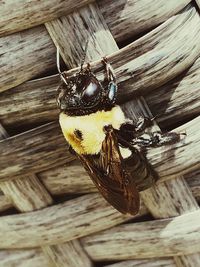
(72, 151)
(130, 130)
(109, 70)
(157, 139)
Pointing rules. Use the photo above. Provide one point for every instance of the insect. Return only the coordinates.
(105, 141)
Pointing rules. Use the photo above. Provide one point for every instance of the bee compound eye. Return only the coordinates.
(91, 92)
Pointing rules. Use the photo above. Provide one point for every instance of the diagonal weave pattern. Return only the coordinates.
(51, 213)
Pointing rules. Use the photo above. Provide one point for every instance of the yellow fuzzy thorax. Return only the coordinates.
(91, 126)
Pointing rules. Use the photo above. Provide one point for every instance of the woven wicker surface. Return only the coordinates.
(51, 213)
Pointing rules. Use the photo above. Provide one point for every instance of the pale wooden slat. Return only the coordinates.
(24, 56)
(174, 102)
(5, 203)
(72, 179)
(133, 17)
(170, 198)
(191, 260)
(69, 254)
(23, 258)
(25, 193)
(145, 263)
(193, 179)
(57, 224)
(185, 49)
(34, 150)
(26, 14)
(40, 12)
(72, 39)
(160, 238)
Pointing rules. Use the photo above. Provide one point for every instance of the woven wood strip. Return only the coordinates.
(72, 179)
(40, 12)
(23, 56)
(186, 51)
(145, 263)
(147, 239)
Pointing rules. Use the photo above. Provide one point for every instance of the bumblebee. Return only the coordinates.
(104, 139)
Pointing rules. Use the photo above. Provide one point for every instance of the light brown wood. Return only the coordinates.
(72, 179)
(62, 222)
(178, 100)
(193, 179)
(26, 14)
(144, 263)
(134, 17)
(23, 258)
(72, 39)
(24, 56)
(149, 70)
(25, 193)
(5, 203)
(69, 254)
(185, 261)
(128, 14)
(29, 150)
(160, 238)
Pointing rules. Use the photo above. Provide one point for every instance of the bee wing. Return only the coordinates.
(109, 176)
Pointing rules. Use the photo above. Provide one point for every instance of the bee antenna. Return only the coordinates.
(84, 55)
(58, 65)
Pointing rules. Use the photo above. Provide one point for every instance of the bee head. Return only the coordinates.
(83, 94)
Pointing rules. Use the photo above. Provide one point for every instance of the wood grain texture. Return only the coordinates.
(26, 14)
(72, 39)
(23, 258)
(57, 224)
(134, 17)
(5, 203)
(169, 56)
(193, 179)
(69, 254)
(124, 13)
(24, 56)
(177, 100)
(145, 263)
(72, 179)
(191, 260)
(32, 149)
(26, 194)
(160, 238)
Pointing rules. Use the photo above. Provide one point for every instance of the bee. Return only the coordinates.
(104, 139)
